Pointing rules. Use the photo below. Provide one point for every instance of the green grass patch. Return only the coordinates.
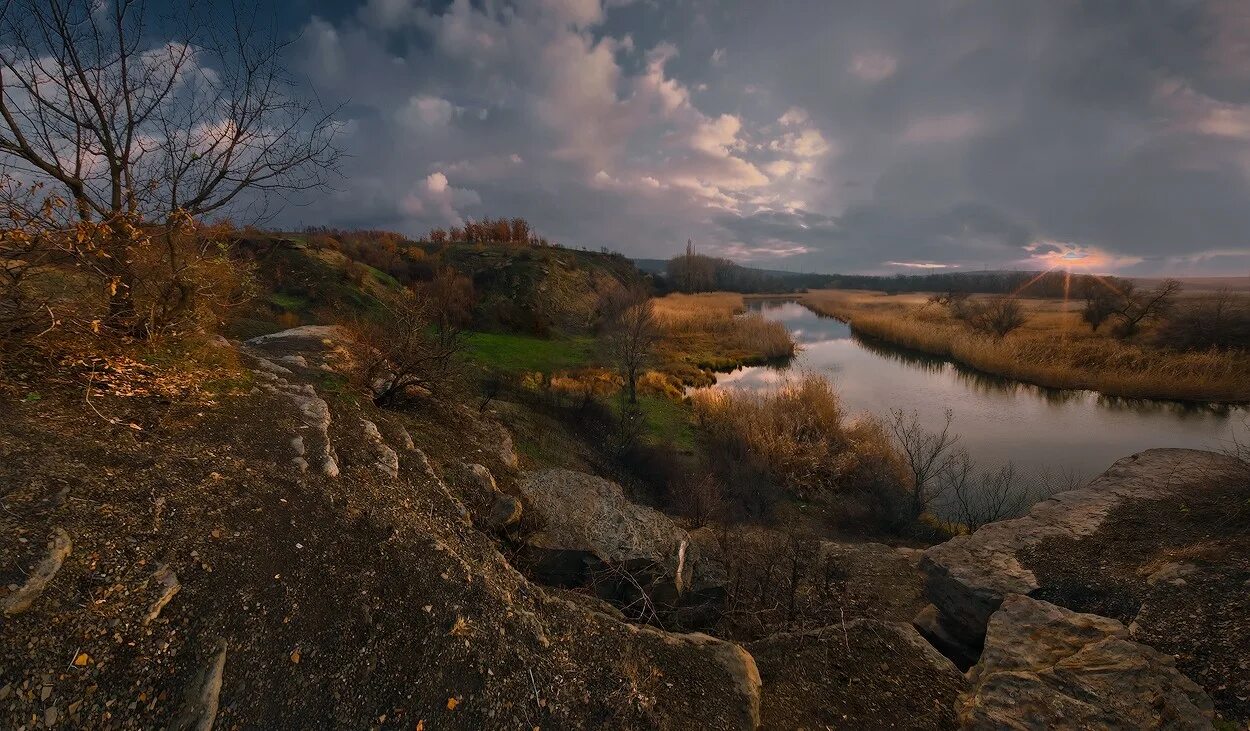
(668, 421)
(510, 352)
(287, 301)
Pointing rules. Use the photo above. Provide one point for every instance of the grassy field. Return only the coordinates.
(514, 353)
(1054, 348)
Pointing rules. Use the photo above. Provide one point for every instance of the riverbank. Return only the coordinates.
(1053, 349)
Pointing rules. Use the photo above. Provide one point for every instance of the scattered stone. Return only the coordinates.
(405, 438)
(169, 586)
(1046, 667)
(1172, 572)
(271, 367)
(22, 599)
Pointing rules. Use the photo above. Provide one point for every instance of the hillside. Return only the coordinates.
(518, 288)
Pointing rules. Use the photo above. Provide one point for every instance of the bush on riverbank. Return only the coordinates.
(799, 437)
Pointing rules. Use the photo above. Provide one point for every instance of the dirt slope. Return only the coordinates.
(303, 599)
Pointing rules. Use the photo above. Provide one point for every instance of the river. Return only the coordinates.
(1060, 433)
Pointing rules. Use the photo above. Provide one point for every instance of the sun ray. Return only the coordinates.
(1029, 283)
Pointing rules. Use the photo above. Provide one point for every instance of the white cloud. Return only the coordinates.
(426, 111)
(873, 67)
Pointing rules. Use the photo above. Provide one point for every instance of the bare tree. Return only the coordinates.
(128, 134)
(929, 456)
(1100, 304)
(976, 498)
(1120, 300)
(630, 334)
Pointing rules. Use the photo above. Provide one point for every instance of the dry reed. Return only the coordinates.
(1053, 349)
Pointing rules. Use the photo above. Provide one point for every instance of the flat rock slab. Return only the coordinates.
(1045, 667)
(967, 577)
(863, 674)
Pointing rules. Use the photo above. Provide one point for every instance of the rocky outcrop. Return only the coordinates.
(585, 531)
(967, 577)
(858, 674)
(1045, 667)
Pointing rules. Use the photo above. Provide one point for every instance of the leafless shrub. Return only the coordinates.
(412, 344)
(699, 500)
(976, 498)
(996, 318)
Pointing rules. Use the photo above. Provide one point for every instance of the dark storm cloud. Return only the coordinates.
(848, 136)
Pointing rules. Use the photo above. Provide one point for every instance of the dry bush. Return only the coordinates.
(799, 436)
(406, 348)
(1220, 321)
(996, 318)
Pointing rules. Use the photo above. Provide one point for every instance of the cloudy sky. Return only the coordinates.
(811, 135)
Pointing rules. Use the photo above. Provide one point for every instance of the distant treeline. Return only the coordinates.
(694, 272)
(1029, 284)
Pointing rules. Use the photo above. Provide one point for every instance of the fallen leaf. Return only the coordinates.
(452, 703)
(82, 660)
(295, 656)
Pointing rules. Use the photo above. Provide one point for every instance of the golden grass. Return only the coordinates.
(1054, 348)
(799, 433)
(710, 332)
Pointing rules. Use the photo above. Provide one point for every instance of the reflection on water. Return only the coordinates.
(998, 419)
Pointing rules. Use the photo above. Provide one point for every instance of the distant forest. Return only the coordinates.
(695, 272)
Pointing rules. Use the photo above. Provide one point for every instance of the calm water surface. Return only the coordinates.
(998, 420)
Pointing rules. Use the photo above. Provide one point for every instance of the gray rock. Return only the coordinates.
(583, 524)
(307, 332)
(1045, 667)
(505, 512)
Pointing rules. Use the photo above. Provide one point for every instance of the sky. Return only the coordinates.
(810, 135)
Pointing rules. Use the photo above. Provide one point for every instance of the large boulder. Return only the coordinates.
(1045, 667)
(858, 674)
(584, 531)
(967, 577)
